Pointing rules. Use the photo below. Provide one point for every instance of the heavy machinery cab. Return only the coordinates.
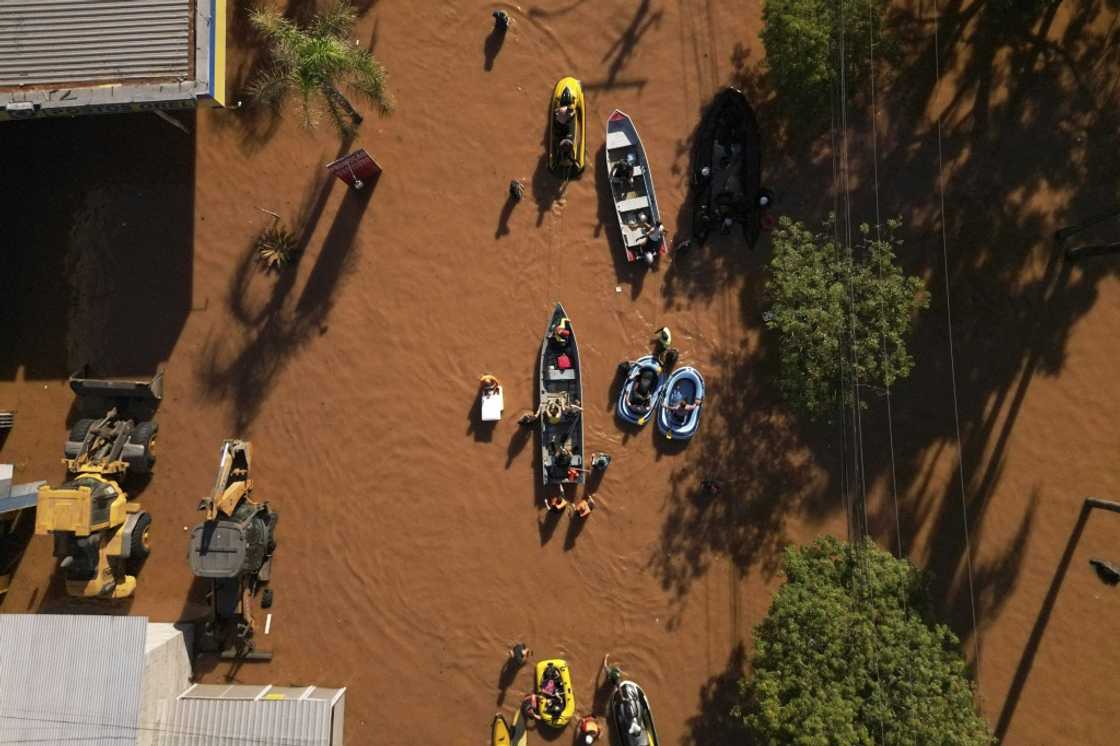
(95, 527)
(82, 505)
(232, 548)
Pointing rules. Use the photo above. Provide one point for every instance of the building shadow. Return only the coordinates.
(98, 268)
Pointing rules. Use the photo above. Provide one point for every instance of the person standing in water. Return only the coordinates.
(613, 673)
(518, 654)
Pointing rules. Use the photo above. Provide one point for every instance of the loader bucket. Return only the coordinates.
(147, 391)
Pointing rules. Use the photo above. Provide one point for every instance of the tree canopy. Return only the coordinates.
(839, 318)
(848, 656)
(802, 47)
(316, 62)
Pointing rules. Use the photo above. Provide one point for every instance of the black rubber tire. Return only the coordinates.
(140, 543)
(144, 434)
(80, 429)
(266, 599)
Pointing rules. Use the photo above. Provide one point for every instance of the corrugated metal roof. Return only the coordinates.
(276, 722)
(69, 678)
(62, 41)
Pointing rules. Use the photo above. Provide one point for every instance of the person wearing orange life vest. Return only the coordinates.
(588, 729)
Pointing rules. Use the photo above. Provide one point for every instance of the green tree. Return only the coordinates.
(839, 319)
(803, 48)
(316, 62)
(848, 655)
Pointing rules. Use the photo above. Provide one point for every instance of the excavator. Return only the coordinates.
(232, 549)
(98, 531)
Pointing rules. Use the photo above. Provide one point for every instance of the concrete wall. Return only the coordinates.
(338, 714)
(167, 673)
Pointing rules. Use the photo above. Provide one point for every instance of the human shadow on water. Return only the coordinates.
(483, 431)
(506, 677)
(714, 725)
(503, 218)
(547, 524)
(521, 437)
(492, 46)
(575, 528)
(547, 187)
(626, 272)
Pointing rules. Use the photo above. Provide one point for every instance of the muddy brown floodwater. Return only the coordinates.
(413, 550)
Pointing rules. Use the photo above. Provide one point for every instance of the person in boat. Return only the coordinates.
(564, 115)
(588, 729)
(681, 409)
(561, 458)
(566, 111)
(654, 235)
(489, 384)
(644, 382)
(567, 152)
(623, 172)
(562, 332)
(531, 706)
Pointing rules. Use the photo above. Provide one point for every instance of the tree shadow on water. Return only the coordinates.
(247, 374)
(714, 725)
(619, 52)
(748, 444)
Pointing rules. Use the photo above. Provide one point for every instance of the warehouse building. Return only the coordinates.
(73, 57)
(120, 680)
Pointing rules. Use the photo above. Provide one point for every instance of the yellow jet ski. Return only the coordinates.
(554, 685)
(499, 731)
(568, 92)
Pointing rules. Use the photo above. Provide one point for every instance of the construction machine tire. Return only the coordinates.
(144, 434)
(80, 429)
(140, 543)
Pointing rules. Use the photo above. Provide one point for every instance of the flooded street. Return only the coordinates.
(413, 550)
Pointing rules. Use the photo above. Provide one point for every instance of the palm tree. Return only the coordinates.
(315, 62)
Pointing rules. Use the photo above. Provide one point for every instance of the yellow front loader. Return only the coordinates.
(98, 532)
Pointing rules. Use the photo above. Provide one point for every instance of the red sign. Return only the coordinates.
(355, 169)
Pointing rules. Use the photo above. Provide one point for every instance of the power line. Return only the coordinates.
(878, 237)
(952, 357)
